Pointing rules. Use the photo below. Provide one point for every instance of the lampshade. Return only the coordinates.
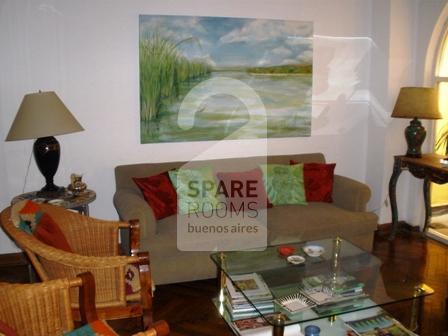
(42, 114)
(417, 102)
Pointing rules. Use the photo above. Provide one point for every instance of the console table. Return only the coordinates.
(428, 168)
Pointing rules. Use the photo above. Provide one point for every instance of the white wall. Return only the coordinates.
(87, 51)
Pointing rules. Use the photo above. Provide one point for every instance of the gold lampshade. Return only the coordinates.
(42, 114)
(417, 102)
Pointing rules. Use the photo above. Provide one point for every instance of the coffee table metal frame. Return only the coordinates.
(340, 257)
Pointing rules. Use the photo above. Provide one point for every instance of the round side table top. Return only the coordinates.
(66, 200)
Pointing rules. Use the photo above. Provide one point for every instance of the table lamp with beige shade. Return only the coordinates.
(41, 116)
(416, 103)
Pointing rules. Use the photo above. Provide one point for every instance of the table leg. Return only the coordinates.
(279, 325)
(393, 196)
(427, 198)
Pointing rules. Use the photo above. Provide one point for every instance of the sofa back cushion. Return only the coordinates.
(244, 190)
(125, 173)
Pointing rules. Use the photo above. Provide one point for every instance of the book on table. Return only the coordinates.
(255, 289)
(257, 326)
(380, 324)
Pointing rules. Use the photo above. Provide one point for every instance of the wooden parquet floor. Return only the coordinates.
(188, 309)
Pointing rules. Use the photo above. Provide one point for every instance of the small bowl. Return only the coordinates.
(57, 202)
(313, 250)
(295, 259)
(286, 251)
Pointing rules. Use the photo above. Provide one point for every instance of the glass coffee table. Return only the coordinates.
(308, 287)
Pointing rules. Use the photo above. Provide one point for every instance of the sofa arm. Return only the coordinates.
(131, 205)
(350, 194)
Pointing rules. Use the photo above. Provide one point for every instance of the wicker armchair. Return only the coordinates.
(95, 249)
(44, 309)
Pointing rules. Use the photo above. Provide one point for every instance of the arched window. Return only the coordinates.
(439, 193)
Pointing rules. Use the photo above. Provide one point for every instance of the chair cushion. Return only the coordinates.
(251, 190)
(95, 328)
(29, 217)
(284, 183)
(159, 193)
(318, 178)
(48, 232)
(25, 215)
(132, 280)
(6, 330)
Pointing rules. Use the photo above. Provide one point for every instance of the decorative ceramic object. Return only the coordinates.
(77, 186)
(313, 250)
(286, 251)
(296, 259)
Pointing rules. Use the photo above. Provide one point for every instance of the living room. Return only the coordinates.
(88, 53)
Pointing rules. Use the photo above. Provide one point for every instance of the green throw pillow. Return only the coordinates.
(284, 183)
(196, 190)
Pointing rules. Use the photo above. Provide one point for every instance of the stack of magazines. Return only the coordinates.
(255, 289)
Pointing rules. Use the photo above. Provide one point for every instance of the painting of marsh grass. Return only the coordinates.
(272, 57)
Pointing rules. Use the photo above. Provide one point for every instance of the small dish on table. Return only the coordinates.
(286, 251)
(313, 250)
(295, 259)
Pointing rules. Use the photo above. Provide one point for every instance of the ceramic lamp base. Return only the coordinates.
(415, 134)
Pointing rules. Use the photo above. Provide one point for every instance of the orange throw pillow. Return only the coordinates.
(48, 232)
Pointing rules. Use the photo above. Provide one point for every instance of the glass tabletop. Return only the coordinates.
(308, 285)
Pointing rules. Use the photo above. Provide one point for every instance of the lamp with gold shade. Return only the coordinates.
(416, 103)
(41, 116)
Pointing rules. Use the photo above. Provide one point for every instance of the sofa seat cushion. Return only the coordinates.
(292, 223)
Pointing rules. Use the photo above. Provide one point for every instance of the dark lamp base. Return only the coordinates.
(415, 134)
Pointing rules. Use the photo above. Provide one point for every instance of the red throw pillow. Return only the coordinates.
(318, 179)
(6, 330)
(48, 232)
(244, 190)
(159, 193)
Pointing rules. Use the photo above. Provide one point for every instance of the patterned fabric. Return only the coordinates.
(132, 280)
(25, 215)
(318, 178)
(29, 217)
(243, 190)
(284, 183)
(196, 190)
(96, 328)
(6, 330)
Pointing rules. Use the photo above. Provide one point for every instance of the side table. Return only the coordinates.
(67, 200)
(428, 168)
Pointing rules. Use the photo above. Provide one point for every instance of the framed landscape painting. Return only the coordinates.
(213, 78)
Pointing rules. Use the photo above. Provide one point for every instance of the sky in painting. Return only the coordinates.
(234, 42)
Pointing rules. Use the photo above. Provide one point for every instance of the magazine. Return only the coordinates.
(257, 326)
(251, 284)
(380, 324)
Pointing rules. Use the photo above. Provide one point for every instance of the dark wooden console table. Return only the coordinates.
(428, 168)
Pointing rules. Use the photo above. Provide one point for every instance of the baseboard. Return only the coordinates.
(13, 259)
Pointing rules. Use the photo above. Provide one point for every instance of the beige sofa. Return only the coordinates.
(346, 216)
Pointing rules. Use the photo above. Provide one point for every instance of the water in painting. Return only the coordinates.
(271, 57)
